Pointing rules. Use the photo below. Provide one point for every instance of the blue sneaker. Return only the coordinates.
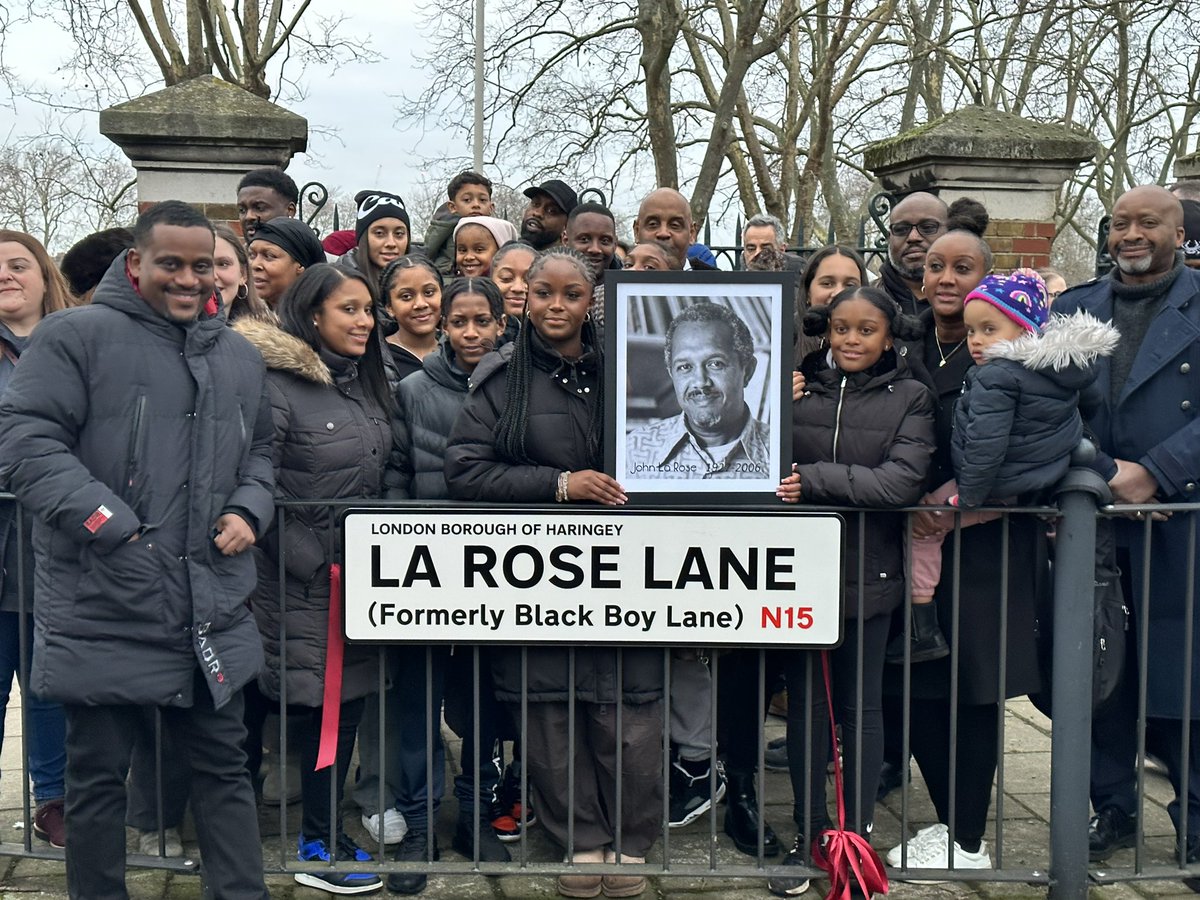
(336, 882)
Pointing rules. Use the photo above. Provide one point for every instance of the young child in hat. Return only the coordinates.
(1015, 424)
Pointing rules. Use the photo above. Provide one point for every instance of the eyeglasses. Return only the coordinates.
(926, 227)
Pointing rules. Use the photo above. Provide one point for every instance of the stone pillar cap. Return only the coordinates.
(205, 119)
(981, 134)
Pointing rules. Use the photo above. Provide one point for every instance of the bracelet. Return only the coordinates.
(560, 495)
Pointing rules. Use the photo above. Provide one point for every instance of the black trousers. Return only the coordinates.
(99, 746)
(321, 789)
(861, 724)
(148, 761)
(929, 738)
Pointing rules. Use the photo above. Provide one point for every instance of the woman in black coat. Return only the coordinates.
(862, 437)
(531, 432)
(331, 410)
(955, 264)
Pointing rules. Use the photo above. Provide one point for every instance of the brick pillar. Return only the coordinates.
(195, 140)
(1014, 166)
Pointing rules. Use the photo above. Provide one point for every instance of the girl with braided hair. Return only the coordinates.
(531, 431)
(410, 308)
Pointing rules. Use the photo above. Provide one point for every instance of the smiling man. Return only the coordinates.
(1149, 436)
(710, 357)
(137, 432)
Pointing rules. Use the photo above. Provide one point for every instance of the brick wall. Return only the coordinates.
(225, 213)
(1018, 243)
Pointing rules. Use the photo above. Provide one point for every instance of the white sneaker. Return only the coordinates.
(394, 826)
(933, 834)
(936, 856)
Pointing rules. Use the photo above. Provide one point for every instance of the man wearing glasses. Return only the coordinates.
(916, 222)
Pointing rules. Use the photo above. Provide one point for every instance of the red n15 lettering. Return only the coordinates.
(787, 617)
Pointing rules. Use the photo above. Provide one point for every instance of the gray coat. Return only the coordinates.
(119, 421)
(428, 402)
(331, 442)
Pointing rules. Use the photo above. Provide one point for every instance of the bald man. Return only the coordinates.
(1149, 435)
(915, 223)
(666, 216)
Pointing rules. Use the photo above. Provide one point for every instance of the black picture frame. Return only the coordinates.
(650, 443)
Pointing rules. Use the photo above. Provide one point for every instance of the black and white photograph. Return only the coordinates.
(699, 382)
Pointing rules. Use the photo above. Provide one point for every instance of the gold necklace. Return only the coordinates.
(946, 356)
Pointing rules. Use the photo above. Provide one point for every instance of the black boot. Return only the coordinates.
(414, 848)
(741, 817)
(928, 642)
(490, 848)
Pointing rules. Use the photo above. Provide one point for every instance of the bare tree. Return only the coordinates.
(263, 46)
(58, 188)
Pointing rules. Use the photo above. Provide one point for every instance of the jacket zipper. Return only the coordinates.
(135, 441)
(837, 422)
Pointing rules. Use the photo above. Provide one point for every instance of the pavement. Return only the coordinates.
(1021, 855)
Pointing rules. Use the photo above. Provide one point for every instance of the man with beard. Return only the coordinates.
(1149, 437)
(710, 358)
(265, 194)
(545, 218)
(916, 222)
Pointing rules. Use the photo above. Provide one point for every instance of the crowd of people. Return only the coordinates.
(163, 387)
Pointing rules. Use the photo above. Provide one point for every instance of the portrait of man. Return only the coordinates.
(709, 356)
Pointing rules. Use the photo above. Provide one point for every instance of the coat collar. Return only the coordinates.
(283, 352)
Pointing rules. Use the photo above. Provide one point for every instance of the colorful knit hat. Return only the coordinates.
(1021, 296)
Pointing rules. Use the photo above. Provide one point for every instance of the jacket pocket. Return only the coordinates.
(125, 585)
(133, 459)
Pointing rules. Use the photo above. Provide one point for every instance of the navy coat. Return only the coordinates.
(1154, 422)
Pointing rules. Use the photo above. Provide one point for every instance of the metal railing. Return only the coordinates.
(1065, 867)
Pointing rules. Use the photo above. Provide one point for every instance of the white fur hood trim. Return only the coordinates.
(1075, 340)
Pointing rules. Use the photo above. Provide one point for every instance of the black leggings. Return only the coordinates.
(929, 738)
(862, 761)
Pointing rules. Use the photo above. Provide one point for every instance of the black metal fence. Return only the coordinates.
(701, 849)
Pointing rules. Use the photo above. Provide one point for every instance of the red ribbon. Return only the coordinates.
(838, 851)
(331, 710)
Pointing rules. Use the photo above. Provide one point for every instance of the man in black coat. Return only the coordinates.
(137, 433)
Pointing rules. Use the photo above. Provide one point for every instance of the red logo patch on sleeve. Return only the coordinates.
(96, 519)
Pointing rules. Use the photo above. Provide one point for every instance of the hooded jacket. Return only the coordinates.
(120, 422)
(865, 439)
(331, 442)
(1018, 420)
(427, 405)
(561, 398)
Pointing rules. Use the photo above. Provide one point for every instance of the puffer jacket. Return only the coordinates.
(331, 442)
(119, 421)
(427, 405)
(562, 395)
(1018, 420)
(865, 439)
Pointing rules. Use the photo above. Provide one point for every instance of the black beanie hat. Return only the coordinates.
(373, 205)
(292, 236)
(1191, 229)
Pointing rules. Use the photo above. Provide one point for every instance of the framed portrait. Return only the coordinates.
(698, 365)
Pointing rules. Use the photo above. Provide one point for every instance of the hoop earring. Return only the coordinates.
(243, 292)
(587, 316)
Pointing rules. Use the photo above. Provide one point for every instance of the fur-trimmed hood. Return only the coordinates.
(1077, 340)
(283, 352)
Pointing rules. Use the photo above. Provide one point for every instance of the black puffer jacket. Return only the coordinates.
(1018, 418)
(427, 405)
(119, 420)
(865, 440)
(562, 395)
(331, 443)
